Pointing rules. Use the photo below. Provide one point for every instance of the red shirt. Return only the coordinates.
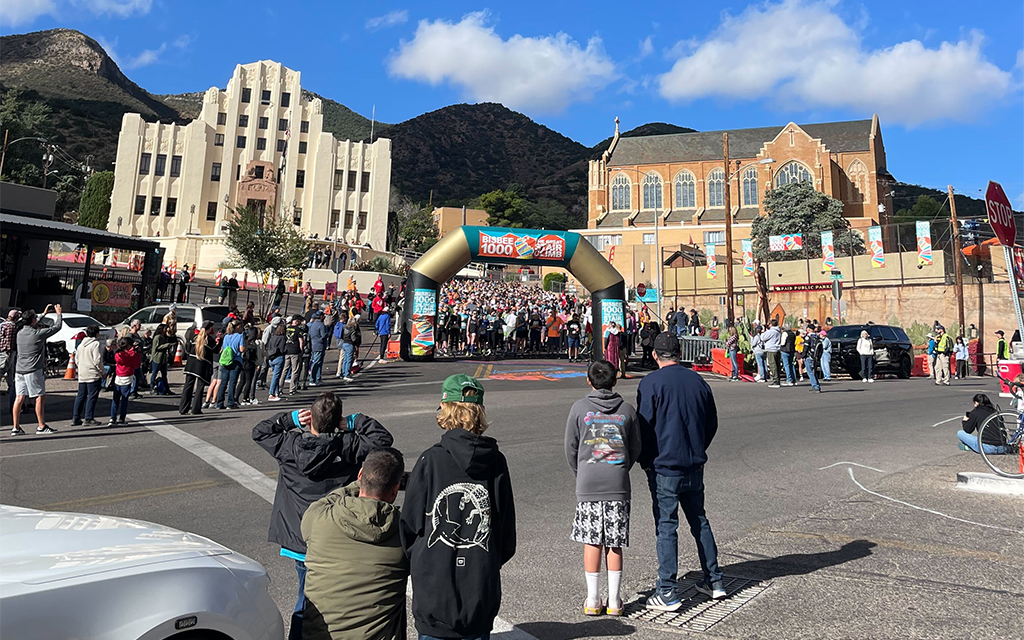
(127, 362)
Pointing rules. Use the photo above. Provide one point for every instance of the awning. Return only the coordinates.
(71, 233)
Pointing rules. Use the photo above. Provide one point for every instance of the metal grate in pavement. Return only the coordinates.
(699, 612)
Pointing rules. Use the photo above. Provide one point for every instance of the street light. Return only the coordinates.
(3, 154)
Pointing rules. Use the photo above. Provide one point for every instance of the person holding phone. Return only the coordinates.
(30, 366)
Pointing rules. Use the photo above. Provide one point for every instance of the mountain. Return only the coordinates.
(905, 195)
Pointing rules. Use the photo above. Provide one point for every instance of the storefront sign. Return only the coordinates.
(109, 296)
(808, 286)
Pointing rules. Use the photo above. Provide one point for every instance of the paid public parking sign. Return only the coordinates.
(1000, 214)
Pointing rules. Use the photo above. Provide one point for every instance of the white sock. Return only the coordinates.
(593, 589)
(614, 580)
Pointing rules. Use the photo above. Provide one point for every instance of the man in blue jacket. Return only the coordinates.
(678, 419)
(318, 342)
(383, 328)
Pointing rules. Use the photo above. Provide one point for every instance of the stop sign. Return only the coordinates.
(641, 289)
(1000, 214)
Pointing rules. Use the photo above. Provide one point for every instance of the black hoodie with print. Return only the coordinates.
(458, 529)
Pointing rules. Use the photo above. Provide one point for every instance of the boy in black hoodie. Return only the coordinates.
(312, 464)
(459, 520)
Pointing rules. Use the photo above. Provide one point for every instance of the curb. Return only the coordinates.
(989, 483)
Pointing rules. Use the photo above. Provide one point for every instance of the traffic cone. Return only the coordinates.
(177, 356)
(72, 372)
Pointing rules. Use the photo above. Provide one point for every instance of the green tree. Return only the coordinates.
(799, 208)
(510, 208)
(552, 278)
(268, 247)
(419, 232)
(94, 207)
(926, 208)
(22, 118)
(504, 207)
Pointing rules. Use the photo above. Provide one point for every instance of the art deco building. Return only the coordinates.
(258, 143)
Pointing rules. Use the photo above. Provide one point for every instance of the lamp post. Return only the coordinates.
(3, 154)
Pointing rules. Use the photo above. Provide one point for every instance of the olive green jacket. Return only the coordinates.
(356, 570)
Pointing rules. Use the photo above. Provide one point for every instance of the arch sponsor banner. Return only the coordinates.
(924, 243)
(747, 247)
(788, 242)
(612, 311)
(877, 251)
(709, 251)
(828, 251)
(424, 309)
(537, 245)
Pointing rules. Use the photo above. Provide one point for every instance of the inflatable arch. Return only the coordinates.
(506, 246)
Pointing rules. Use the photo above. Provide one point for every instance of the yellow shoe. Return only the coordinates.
(593, 611)
(614, 611)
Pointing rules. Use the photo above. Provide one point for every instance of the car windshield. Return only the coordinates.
(215, 314)
(80, 322)
(852, 331)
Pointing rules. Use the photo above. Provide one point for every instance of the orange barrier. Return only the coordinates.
(393, 349)
(920, 369)
(722, 365)
(178, 355)
(71, 373)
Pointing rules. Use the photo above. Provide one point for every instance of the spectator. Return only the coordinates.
(931, 355)
(384, 333)
(787, 349)
(229, 290)
(961, 354)
(318, 349)
(277, 346)
(772, 349)
(943, 351)
(1002, 348)
(602, 442)
(182, 279)
(198, 371)
(171, 322)
(279, 291)
(310, 465)
(612, 343)
(573, 334)
(245, 394)
(164, 346)
(30, 367)
(732, 347)
(826, 356)
(89, 360)
(694, 323)
(214, 389)
(811, 355)
(134, 332)
(293, 351)
(553, 325)
(994, 443)
(127, 362)
(307, 296)
(757, 348)
(232, 348)
(265, 366)
(307, 355)
(866, 350)
(351, 338)
(678, 420)
(7, 351)
(356, 569)
(458, 520)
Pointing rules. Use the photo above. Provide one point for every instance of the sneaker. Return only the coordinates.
(788, 384)
(871, 379)
(206, 405)
(274, 399)
(664, 602)
(254, 401)
(45, 429)
(314, 384)
(17, 431)
(815, 390)
(122, 422)
(382, 361)
(774, 386)
(92, 423)
(347, 379)
(715, 591)
(76, 423)
(112, 423)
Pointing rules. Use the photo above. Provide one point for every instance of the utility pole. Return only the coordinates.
(47, 161)
(957, 257)
(729, 311)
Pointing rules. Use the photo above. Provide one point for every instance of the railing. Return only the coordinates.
(697, 349)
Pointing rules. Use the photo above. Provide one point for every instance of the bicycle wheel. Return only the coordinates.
(1002, 427)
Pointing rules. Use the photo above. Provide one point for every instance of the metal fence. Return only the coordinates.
(698, 348)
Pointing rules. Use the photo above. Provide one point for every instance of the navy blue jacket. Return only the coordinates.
(678, 419)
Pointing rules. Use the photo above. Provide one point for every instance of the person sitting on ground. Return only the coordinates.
(311, 464)
(602, 442)
(994, 441)
(356, 567)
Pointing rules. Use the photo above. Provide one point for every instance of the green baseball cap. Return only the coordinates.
(462, 388)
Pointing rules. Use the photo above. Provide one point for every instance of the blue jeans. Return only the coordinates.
(88, 393)
(277, 366)
(971, 441)
(119, 403)
(809, 366)
(788, 363)
(316, 367)
(295, 632)
(155, 368)
(826, 366)
(346, 358)
(735, 365)
(228, 374)
(762, 366)
(668, 493)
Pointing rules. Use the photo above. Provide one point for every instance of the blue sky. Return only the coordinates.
(945, 81)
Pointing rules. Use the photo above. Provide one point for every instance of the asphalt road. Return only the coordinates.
(880, 545)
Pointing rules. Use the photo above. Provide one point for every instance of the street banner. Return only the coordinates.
(924, 243)
(424, 306)
(748, 257)
(877, 251)
(709, 251)
(828, 252)
(788, 242)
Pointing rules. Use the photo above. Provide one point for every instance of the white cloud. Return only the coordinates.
(18, 12)
(143, 59)
(804, 54)
(182, 42)
(118, 8)
(146, 58)
(390, 19)
(533, 73)
(646, 47)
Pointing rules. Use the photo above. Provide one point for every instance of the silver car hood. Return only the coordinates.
(37, 547)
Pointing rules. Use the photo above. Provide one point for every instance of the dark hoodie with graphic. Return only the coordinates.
(458, 529)
(602, 442)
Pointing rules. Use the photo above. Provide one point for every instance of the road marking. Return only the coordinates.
(42, 453)
(85, 503)
(931, 511)
(862, 466)
(479, 371)
(945, 421)
(221, 460)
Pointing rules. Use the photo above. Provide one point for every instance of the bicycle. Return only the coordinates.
(1001, 439)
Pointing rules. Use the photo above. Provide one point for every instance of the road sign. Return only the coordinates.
(837, 289)
(1000, 214)
(649, 295)
(836, 276)
(641, 289)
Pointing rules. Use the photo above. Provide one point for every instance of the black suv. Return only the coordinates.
(893, 351)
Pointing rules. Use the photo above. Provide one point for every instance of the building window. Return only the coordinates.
(215, 172)
(161, 164)
(686, 190)
(211, 210)
(282, 124)
(750, 187)
(172, 207)
(222, 118)
(364, 186)
(335, 218)
(362, 220)
(286, 99)
(302, 146)
(261, 144)
(603, 242)
(304, 127)
(652, 191)
(238, 172)
(218, 139)
(857, 173)
(339, 178)
(243, 120)
(352, 178)
(265, 96)
(348, 219)
(792, 172)
(714, 237)
(264, 122)
(154, 206)
(144, 164)
(246, 94)
(175, 166)
(240, 142)
(648, 238)
(282, 146)
(257, 172)
(297, 216)
(140, 205)
(620, 193)
(300, 179)
(716, 188)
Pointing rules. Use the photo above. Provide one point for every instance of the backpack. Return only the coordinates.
(339, 330)
(227, 357)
